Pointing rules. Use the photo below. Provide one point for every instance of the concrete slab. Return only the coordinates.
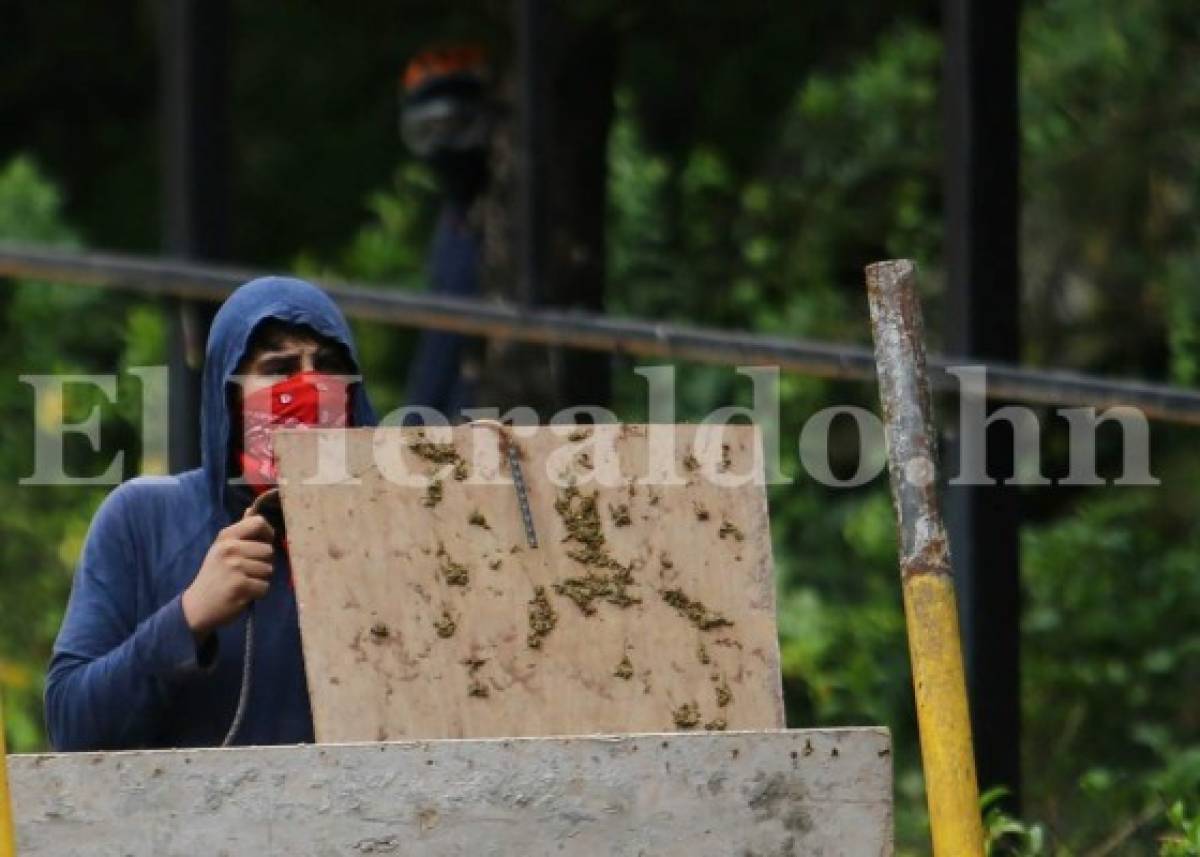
(808, 792)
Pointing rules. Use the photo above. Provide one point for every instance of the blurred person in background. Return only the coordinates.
(445, 119)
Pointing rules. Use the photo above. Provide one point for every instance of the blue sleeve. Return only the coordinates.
(454, 271)
(105, 687)
(435, 369)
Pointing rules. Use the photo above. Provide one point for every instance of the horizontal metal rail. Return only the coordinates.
(593, 331)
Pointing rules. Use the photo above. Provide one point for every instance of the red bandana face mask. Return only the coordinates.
(305, 400)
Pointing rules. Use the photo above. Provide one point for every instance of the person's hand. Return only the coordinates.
(236, 571)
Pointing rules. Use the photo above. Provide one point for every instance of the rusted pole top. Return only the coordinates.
(907, 416)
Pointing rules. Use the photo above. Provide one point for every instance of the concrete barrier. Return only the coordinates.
(809, 792)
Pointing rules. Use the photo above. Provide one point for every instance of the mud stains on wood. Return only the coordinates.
(695, 611)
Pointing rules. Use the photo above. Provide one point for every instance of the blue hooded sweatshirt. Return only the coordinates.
(126, 671)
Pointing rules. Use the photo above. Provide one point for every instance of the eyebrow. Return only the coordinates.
(278, 354)
(275, 357)
(277, 351)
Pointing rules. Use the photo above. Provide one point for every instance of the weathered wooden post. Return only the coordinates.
(931, 614)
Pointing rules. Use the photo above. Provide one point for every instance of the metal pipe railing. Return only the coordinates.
(593, 331)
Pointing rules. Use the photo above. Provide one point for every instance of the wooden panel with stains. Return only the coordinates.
(648, 605)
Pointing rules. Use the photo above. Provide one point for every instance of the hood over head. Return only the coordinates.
(286, 299)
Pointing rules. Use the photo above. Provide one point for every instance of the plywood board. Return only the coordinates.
(648, 604)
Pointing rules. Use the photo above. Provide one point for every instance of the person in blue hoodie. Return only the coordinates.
(151, 649)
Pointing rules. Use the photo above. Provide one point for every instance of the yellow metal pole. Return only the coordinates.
(8, 841)
(930, 612)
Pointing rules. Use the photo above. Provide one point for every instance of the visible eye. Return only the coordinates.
(334, 361)
(279, 366)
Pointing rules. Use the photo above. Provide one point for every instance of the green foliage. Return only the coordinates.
(1183, 837)
(30, 206)
(1006, 836)
(44, 526)
(1110, 646)
(1110, 109)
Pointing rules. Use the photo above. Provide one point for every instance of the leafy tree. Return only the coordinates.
(44, 526)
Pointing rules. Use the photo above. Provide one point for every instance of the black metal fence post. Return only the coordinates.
(195, 144)
(982, 210)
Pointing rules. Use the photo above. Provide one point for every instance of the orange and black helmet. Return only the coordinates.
(443, 101)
